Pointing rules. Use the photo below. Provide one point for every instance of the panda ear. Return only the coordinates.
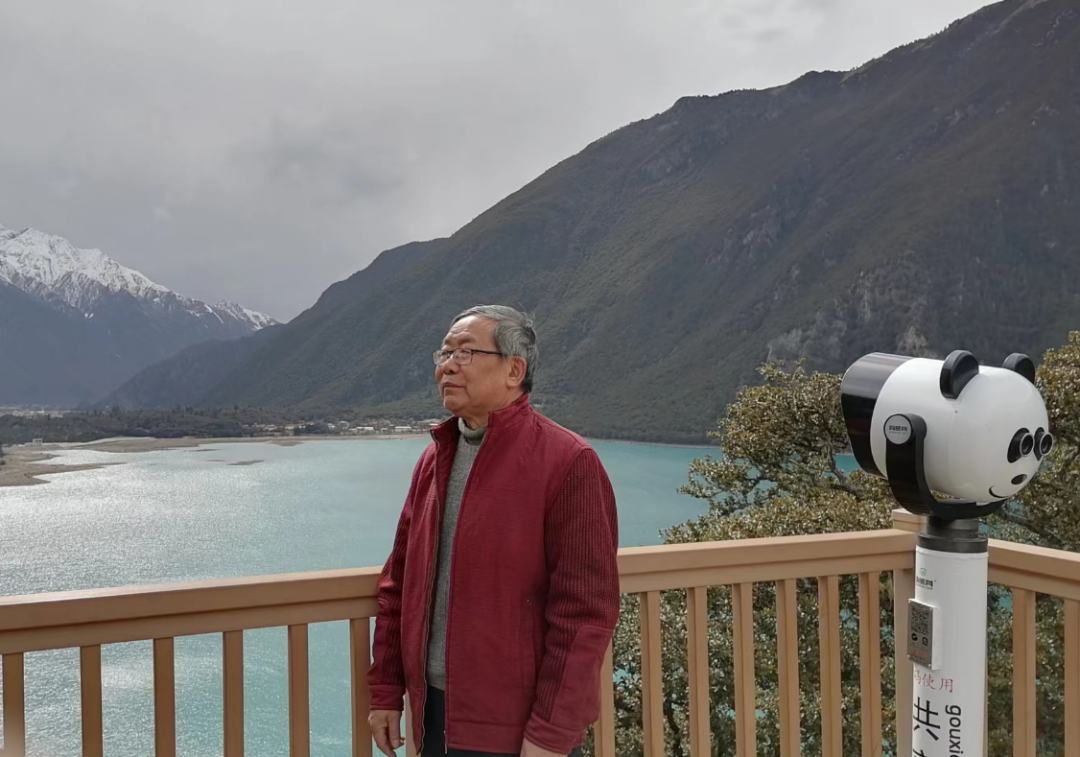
(1022, 364)
(958, 369)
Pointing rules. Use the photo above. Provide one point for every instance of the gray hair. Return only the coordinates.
(514, 335)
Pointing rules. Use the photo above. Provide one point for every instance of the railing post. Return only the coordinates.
(299, 689)
(604, 728)
(903, 590)
(14, 706)
(742, 615)
(93, 732)
(1024, 673)
(652, 675)
(832, 736)
(697, 644)
(232, 663)
(1072, 677)
(360, 657)
(870, 662)
(787, 664)
(164, 698)
(902, 520)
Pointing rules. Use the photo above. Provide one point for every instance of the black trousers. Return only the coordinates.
(435, 723)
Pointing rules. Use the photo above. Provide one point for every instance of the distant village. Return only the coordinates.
(24, 412)
(379, 427)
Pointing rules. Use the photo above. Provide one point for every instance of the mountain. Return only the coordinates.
(188, 377)
(58, 356)
(926, 201)
(78, 323)
(185, 378)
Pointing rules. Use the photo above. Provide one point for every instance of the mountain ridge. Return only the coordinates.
(186, 378)
(921, 202)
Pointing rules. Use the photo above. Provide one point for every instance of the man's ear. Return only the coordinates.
(517, 371)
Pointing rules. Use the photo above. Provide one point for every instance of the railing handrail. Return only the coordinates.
(671, 566)
(1037, 569)
(717, 554)
(58, 620)
(1039, 561)
(767, 559)
(667, 563)
(69, 608)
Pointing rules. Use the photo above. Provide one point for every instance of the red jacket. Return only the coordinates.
(534, 589)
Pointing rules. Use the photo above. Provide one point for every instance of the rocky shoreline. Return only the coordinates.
(24, 464)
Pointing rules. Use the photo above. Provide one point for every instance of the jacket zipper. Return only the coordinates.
(450, 590)
(427, 610)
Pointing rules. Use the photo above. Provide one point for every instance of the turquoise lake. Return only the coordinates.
(212, 512)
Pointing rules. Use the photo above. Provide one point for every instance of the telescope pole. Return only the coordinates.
(947, 639)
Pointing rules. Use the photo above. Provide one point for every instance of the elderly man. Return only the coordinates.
(501, 593)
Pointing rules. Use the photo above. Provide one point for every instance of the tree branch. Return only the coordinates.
(1020, 520)
(841, 482)
(673, 726)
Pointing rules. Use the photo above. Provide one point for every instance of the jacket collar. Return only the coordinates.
(447, 431)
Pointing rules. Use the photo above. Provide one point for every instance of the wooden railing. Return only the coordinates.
(693, 568)
(89, 619)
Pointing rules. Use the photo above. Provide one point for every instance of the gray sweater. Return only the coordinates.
(467, 448)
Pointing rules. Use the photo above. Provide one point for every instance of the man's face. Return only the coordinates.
(484, 385)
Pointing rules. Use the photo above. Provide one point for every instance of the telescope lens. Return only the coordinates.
(1046, 444)
(1022, 443)
(1027, 444)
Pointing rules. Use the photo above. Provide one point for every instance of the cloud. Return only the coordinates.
(289, 143)
(62, 188)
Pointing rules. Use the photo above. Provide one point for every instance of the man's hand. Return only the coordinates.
(529, 749)
(386, 730)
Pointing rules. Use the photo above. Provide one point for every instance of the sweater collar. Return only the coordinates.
(471, 435)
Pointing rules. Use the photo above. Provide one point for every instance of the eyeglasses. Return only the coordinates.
(462, 355)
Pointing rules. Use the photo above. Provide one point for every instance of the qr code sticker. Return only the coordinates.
(921, 619)
(920, 633)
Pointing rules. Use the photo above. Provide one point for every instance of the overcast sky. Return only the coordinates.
(259, 151)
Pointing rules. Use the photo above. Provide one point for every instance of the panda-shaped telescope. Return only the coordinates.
(981, 431)
(976, 434)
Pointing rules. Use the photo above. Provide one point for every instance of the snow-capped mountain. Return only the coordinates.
(75, 324)
(259, 320)
(51, 268)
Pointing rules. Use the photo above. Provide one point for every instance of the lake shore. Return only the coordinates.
(25, 464)
(22, 467)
